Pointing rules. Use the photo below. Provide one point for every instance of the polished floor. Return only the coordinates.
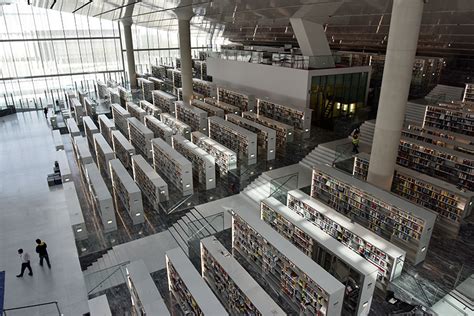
(29, 209)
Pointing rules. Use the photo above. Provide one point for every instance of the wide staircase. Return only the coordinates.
(367, 130)
(443, 93)
(415, 113)
(320, 154)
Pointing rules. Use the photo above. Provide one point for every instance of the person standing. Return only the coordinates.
(355, 143)
(42, 252)
(25, 263)
(45, 110)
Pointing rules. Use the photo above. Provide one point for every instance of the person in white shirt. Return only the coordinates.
(25, 263)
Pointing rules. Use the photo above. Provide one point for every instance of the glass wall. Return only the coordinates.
(338, 95)
(43, 52)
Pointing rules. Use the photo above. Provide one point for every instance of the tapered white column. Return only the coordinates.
(127, 33)
(184, 27)
(401, 51)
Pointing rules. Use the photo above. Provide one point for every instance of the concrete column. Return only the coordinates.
(127, 33)
(185, 55)
(401, 50)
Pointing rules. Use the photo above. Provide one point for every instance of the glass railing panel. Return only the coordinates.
(104, 279)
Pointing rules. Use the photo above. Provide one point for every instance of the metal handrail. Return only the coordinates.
(281, 185)
(221, 214)
(33, 305)
(109, 276)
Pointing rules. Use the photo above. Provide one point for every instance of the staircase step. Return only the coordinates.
(178, 238)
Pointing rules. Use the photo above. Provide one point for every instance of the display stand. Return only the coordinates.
(106, 127)
(210, 109)
(145, 297)
(127, 191)
(140, 137)
(359, 276)
(164, 101)
(103, 153)
(307, 287)
(228, 108)
(120, 116)
(176, 125)
(123, 149)
(299, 118)
(404, 224)
(203, 163)
(173, 166)
(159, 129)
(232, 284)
(72, 128)
(191, 293)
(136, 111)
(266, 137)
(225, 158)
(386, 257)
(76, 217)
(234, 137)
(102, 201)
(150, 109)
(192, 116)
(154, 188)
(284, 133)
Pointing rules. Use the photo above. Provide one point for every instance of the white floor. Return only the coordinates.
(30, 210)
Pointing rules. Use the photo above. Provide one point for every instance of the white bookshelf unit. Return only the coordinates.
(245, 102)
(146, 87)
(176, 125)
(266, 137)
(225, 158)
(458, 118)
(106, 127)
(460, 139)
(125, 96)
(102, 89)
(192, 116)
(72, 128)
(385, 256)
(158, 71)
(120, 116)
(232, 284)
(150, 109)
(58, 140)
(234, 137)
(284, 133)
(308, 288)
(64, 167)
(189, 290)
(154, 188)
(140, 137)
(123, 149)
(79, 112)
(90, 107)
(76, 217)
(100, 196)
(164, 101)
(127, 191)
(204, 165)
(146, 299)
(171, 164)
(298, 117)
(204, 88)
(359, 276)
(159, 129)
(468, 93)
(82, 153)
(136, 111)
(228, 108)
(114, 95)
(210, 109)
(158, 84)
(103, 153)
(403, 223)
(89, 130)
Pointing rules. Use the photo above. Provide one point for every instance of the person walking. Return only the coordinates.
(25, 263)
(355, 143)
(45, 110)
(42, 252)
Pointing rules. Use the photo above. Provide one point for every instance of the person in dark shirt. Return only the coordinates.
(42, 252)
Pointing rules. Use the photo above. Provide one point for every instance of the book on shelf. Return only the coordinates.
(403, 223)
(176, 125)
(232, 284)
(159, 129)
(246, 102)
(284, 133)
(455, 117)
(127, 191)
(164, 101)
(306, 286)
(228, 108)
(210, 109)
(225, 158)
(192, 294)
(150, 109)
(136, 111)
(192, 116)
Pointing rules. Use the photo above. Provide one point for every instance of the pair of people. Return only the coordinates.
(25, 257)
